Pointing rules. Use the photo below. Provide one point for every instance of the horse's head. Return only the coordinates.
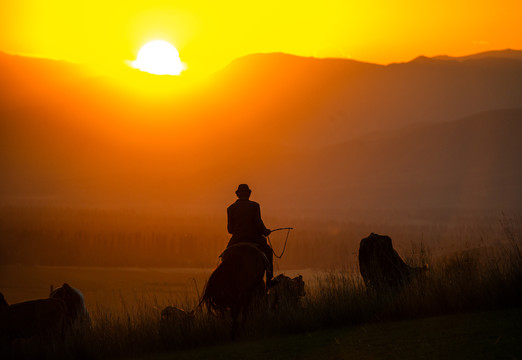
(74, 301)
(64, 290)
(299, 285)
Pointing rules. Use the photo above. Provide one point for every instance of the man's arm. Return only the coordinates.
(230, 225)
(260, 225)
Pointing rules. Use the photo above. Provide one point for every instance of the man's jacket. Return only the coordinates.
(244, 222)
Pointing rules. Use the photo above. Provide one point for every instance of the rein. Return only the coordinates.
(286, 240)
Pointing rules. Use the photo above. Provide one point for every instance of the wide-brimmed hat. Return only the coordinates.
(243, 188)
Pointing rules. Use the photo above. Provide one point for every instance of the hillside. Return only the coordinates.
(470, 163)
(326, 101)
(319, 133)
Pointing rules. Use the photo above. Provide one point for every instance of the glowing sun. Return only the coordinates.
(159, 57)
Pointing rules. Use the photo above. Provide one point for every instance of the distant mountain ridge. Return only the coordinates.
(319, 133)
(498, 54)
(331, 99)
(470, 161)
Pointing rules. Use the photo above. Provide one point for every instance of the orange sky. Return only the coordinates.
(209, 34)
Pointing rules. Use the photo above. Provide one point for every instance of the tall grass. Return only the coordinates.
(465, 281)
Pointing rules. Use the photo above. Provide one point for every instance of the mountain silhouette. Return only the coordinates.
(501, 54)
(468, 163)
(329, 100)
(321, 133)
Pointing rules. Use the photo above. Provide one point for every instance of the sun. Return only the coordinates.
(159, 57)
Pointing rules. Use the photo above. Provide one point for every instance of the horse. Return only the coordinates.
(236, 282)
(77, 315)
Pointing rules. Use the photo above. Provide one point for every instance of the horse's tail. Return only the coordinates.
(215, 289)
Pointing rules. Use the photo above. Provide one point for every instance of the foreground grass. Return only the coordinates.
(465, 282)
(485, 335)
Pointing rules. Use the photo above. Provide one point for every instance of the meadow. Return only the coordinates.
(479, 271)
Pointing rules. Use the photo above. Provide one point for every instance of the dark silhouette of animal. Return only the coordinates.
(172, 317)
(381, 266)
(235, 283)
(172, 313)
(286, 291)
(77, 315)
(43, 318)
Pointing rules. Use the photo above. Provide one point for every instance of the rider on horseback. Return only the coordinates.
(245, 225)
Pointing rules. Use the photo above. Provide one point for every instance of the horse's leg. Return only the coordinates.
(234, 312)
(244, 314)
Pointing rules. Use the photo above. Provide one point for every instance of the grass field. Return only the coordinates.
(483, 335)
(103, 287)
(448, 313)
(108, 288)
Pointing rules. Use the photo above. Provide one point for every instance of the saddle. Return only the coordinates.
(251, 245)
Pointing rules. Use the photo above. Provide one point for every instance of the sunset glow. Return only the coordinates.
(209, 35)
(141, 139)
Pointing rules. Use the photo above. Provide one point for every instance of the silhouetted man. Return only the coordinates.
(245, 225)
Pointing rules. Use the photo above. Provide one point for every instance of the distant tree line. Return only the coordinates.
(93, 237)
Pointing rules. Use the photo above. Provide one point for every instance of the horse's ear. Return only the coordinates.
(65, 285)
(51, 290)
(3, 302)
(300, 277)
